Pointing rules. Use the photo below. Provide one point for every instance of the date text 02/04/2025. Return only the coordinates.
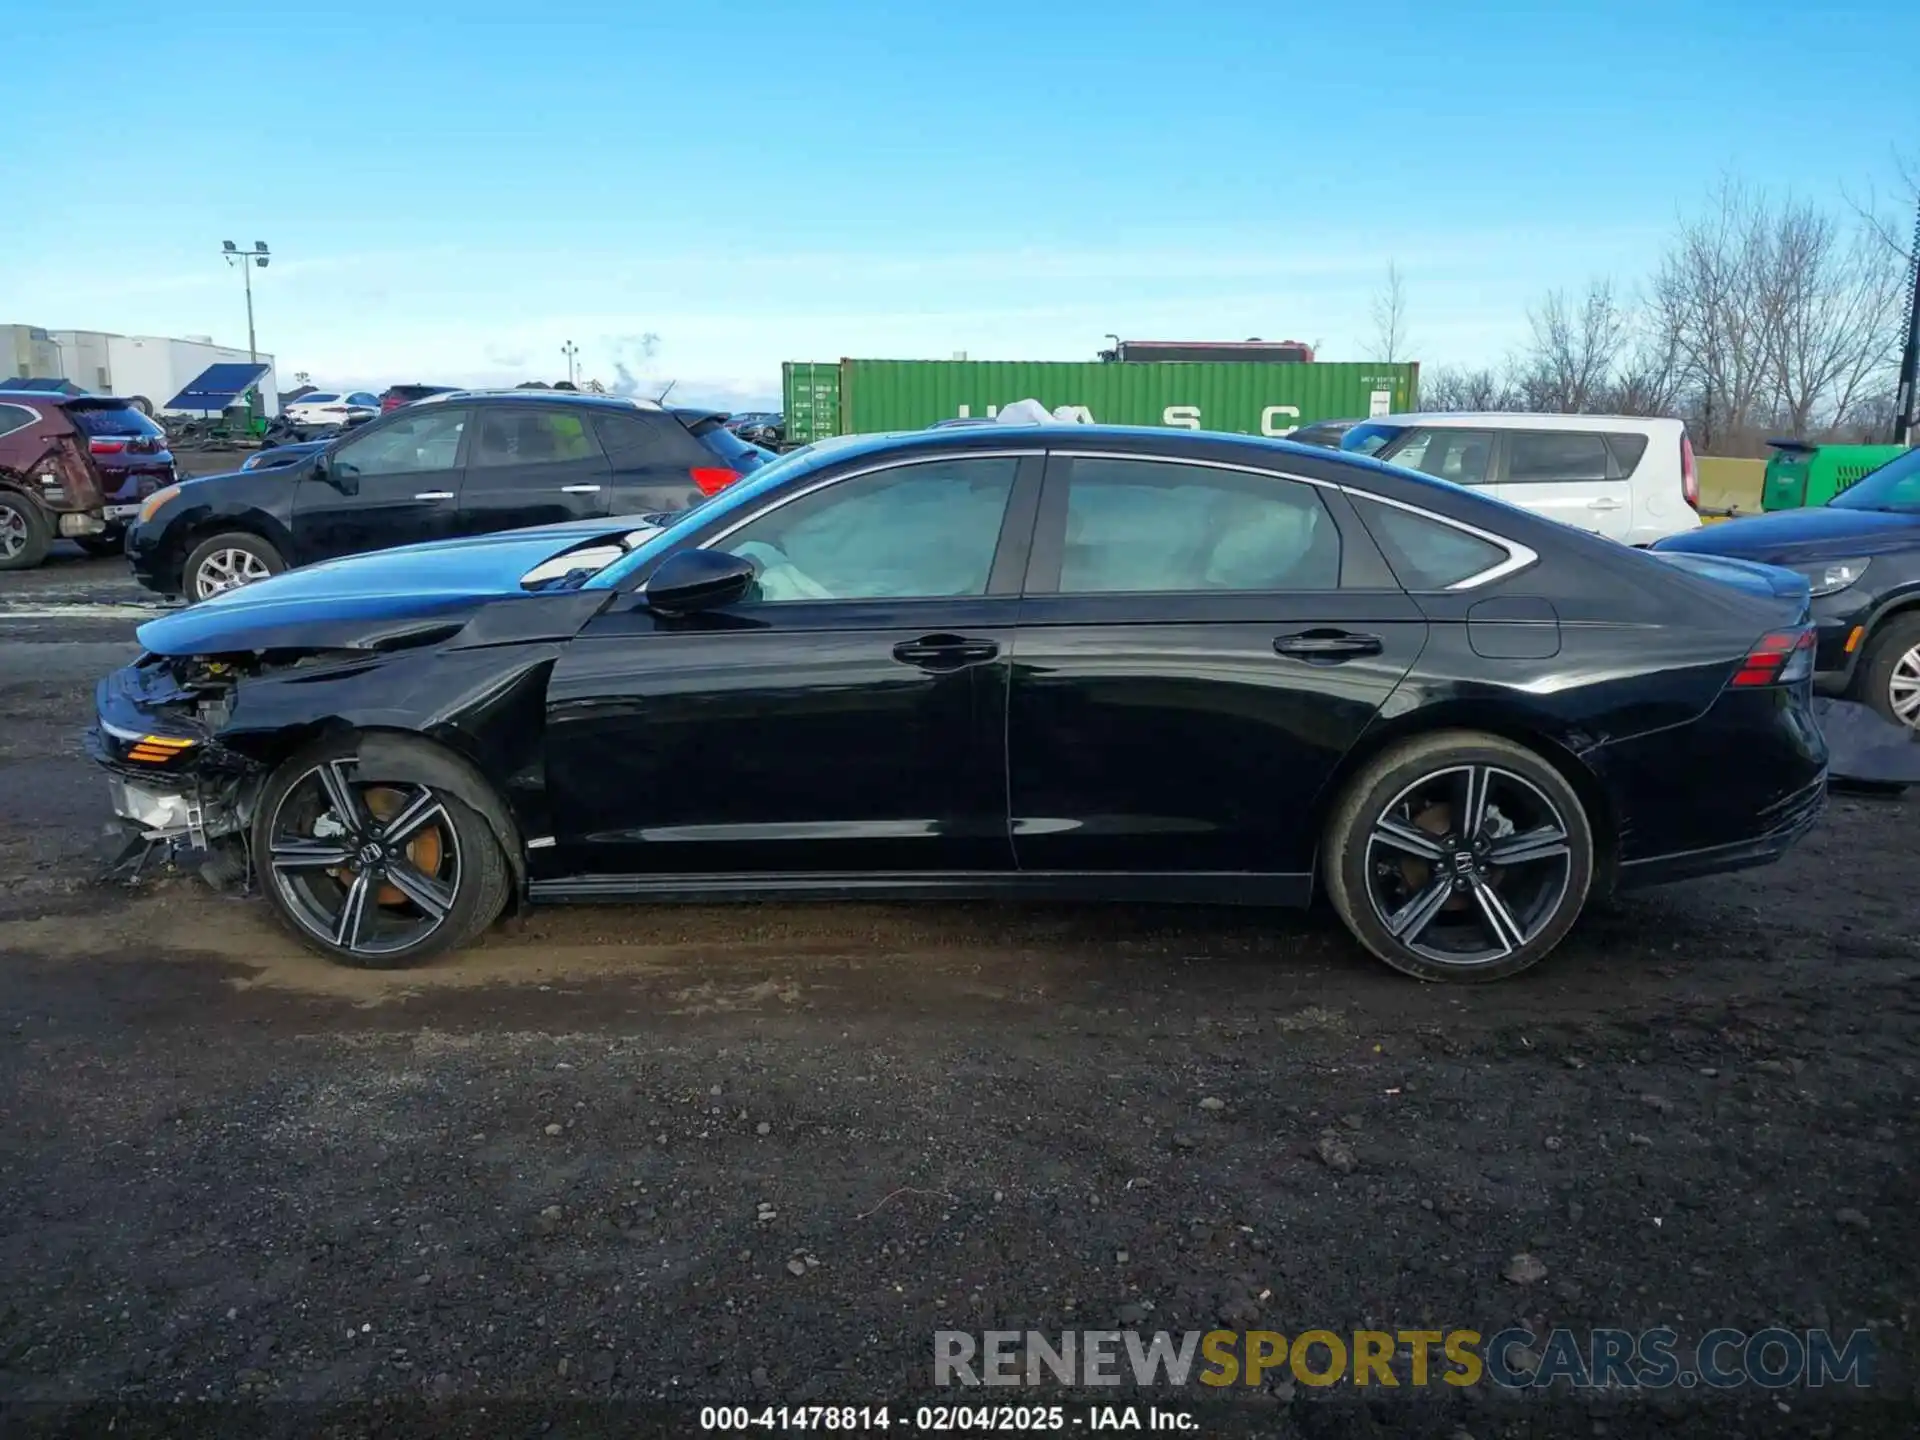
(942, 1419)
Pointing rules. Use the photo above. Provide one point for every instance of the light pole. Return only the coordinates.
(570, 350)
(1908, 410)
(258, 255)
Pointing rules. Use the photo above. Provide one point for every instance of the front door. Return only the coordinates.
(396, 483)
(1569, 476)
(532, 465)
(1189, 670)
(848, 715)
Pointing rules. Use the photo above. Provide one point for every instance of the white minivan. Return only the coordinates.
(1628, 477)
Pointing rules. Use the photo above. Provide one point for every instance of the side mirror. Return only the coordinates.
(698, 580)
(341, 477)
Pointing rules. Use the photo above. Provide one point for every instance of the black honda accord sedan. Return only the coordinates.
(1063, 661)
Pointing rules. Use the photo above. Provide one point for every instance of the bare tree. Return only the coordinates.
(1569, 366)
(1829, 301)
(1390, 318)
(1452, 388)
(1707, 294)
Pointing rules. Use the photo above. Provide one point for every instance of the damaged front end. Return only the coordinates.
(181, 797)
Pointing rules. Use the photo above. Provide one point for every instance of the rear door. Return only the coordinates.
(532, 465)
(1570, 476)
(1199, 646)
(397, 482)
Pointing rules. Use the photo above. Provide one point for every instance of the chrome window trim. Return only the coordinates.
(33, 416)
(1519, 556)
(895, 464)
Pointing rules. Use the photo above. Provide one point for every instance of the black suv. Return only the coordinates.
(463, 463)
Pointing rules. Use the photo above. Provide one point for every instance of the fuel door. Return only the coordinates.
(1514, 627)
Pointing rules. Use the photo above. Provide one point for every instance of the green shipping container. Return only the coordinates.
(1799, 474)
(1246, 399)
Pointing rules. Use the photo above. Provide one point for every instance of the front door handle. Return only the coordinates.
(579, 489)
(945, 652)
(1604, 504)
(1327, 646)
(434, 495)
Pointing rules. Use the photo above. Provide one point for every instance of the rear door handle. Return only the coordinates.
(1604, 504)
(579, 489)
(1327, 646)
(945, 652)
(434, 495)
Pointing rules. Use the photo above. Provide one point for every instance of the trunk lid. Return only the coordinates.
(1789, 592)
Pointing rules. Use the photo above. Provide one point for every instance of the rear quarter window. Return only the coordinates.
(1423, 553)
(638, 440)
(16, 417)
(1627, 452)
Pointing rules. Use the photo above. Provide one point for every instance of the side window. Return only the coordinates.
(1461, 456)
(522, 435)
(635, 441)
(1147, 525)
(420, 442)
(1555, 456)
(15, 417)
(908, 532)
(1426, 554)
(1627, 450)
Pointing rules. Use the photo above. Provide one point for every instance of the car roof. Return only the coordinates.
(548, 397)
(1522, 420)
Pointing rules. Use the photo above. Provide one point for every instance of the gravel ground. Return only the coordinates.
(640, 1159)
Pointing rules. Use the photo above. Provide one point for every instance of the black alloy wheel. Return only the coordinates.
(1460, 857)
(376, 874)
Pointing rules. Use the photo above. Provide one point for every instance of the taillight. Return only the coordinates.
(106, 447)
(1689, 473)
(713, 479)
(1783, 658)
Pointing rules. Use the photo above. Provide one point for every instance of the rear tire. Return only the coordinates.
(429, 872)
(24, 534)
(227, 562)
(1459, 856)
(1890, 671)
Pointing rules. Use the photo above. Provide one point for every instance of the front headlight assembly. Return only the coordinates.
(1833, 576)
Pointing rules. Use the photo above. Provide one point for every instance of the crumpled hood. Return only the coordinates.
(365, 601)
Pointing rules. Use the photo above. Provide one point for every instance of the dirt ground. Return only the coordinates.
(620, 1162)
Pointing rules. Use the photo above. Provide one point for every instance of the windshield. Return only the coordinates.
(773, 473)
(1370, 437)
(1895, 486)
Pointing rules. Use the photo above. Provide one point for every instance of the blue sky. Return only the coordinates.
(458, 190)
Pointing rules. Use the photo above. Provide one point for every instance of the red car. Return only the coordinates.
(52, 484)
(396, 396)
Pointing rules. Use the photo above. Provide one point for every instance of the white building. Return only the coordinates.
(154, 368)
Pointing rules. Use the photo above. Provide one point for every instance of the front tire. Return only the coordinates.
(24, 536)
(1459, 856)
(227, 562)
(1890, 671)
(380, 875)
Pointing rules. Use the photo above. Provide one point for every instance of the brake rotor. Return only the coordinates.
(424, 851)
